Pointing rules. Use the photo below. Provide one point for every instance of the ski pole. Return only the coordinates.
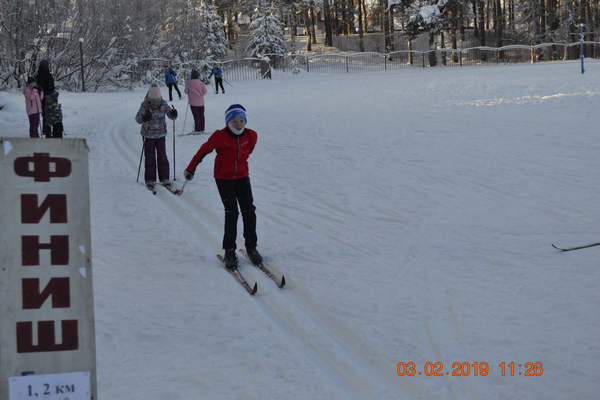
(141, 156)
(41, 135)
(180, 191)
(174, 176)
(183, 128)
(227, 82)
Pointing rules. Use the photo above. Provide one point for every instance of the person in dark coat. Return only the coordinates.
(53, 126)
(216, 71)
(171, 81)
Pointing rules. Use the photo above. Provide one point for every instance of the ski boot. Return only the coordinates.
(230, 259)
(254, 255)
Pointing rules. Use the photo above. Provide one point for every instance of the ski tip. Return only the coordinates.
(282, 284)
(254, 289)
(557, 248)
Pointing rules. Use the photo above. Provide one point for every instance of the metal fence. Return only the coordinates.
(474, 56)
(150, 70)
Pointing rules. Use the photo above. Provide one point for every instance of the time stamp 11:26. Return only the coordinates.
(470, 369)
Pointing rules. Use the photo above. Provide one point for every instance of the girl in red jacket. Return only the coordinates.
(233, 144)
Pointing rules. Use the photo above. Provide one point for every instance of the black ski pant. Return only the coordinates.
(54, 131)
(234, 192)
(170, 86)
(219, 81)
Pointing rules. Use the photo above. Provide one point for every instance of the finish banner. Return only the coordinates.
(47, 338)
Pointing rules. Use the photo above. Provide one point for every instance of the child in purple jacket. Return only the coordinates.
(33, 105)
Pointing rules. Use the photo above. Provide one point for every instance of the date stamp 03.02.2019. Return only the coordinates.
(470, 369)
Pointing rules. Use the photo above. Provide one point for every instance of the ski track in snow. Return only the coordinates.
(339, 360)
(411, 212)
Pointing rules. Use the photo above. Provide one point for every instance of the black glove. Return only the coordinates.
(38, 88)
(174, 114)
(146, 117)
(188, 175)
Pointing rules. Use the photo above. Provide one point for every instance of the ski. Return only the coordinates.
(151, 188)
(193, 133)
(172, 189)
(263, 268)
(576, 248)
(239, 277)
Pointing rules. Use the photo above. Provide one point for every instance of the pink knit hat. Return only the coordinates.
(154, 92)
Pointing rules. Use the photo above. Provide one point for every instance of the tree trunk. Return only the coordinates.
(313, 22)
(361, 44)
(475, 18)
(294, 27)
(81, 61)
(307, 26)
(386, 25)
(487, 15)
(443, 46)
(432, 54)
(326, 14)
(336, 14)
(499, 24)
(391, 34)
(344, 17)
(542, 27)
(294, 21)
(351, 17)
(481, 19)
(452, 30)
(511, 14)
(462, 26)
(364, 7)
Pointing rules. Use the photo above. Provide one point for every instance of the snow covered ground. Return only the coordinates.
(411, 212)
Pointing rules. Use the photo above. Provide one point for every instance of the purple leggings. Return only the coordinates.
(153, 149)
(34, 123)
(198, 113)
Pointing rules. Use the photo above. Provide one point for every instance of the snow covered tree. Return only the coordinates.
(267, 34)
(214, 43)
(432, 17)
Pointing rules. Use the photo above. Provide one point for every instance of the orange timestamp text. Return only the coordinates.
(470, 369)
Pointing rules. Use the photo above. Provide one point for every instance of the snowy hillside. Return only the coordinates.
(412, 213)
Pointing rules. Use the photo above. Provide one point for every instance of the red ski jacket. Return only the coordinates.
(232, 153)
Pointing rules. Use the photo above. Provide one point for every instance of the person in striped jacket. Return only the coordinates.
(151, 115)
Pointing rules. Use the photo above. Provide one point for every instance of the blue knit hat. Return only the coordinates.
(235, 110)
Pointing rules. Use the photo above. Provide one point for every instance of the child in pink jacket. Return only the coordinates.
(33, 105)
(196, 89)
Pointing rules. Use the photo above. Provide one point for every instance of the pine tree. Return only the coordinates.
(267, 34)
(214, 44)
